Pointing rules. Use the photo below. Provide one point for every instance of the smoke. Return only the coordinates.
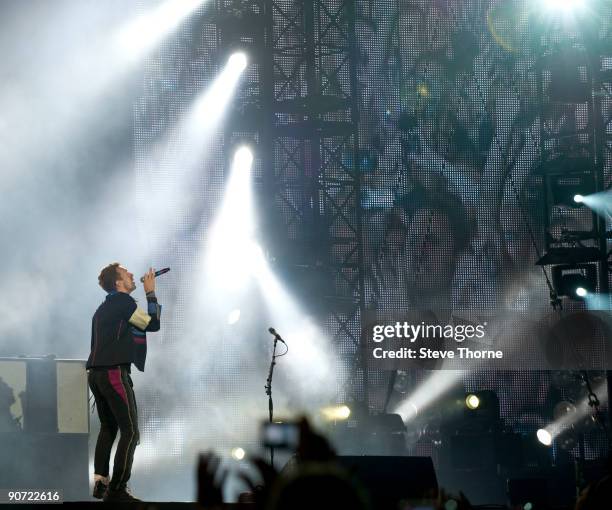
(83, 185)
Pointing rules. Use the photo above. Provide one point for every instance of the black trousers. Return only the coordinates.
(114, 395)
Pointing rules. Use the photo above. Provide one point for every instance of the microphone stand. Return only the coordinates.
(269, 393)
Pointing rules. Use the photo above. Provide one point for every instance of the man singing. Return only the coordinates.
(118, 339)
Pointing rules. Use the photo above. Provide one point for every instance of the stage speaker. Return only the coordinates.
(72, 397)
(44, 425)
(46, 461)
(391, 479)
(43, 395)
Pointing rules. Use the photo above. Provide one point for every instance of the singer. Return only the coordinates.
(118, 339)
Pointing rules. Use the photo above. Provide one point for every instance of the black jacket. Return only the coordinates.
(118, 331)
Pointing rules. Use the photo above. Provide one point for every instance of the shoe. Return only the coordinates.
(122, 495)
(99, 489)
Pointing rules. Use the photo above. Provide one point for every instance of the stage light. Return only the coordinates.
(481, 408)
(544, 436)
(569, 189)
(238, 61)
(238, 453)
(243, 159)
(233, 317)
(146, 32)
(336, 413)
(567, 420)
(574, 281)
(565, 6)
(472, 401)
(581, 292)
(409, 412)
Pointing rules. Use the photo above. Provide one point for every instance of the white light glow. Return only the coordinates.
(186, 146)
(141, 35)
(428, 392)
(578, 199)
(600, 203)
(233, 255)
(243, 159)
(566, 6)
(472, 401)
(310, 358)
(570, 417)
(238, 453)
(209, 107)
(581, 291)
(544, 436)
(233, 317)
(238, 61)
(336, 413)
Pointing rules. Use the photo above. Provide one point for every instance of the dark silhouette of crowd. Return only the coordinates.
(315, 479)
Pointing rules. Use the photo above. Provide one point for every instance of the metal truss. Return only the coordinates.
(583, 57)
(298, 103)
(572, 85)
(316, 183)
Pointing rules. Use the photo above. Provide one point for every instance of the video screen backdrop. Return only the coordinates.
(451, 210)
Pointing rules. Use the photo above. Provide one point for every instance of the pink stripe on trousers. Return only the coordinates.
(114, 375)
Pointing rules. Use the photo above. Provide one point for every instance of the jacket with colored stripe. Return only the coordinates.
(118, 331)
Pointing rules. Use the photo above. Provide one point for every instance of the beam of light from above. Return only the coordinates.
(238, 61)
(187, 143)
(310, 359)
(214, 102)
(138, 37)
(233, 252)
(569, 12)
(427, 393)
(206, 113)
(566, 6)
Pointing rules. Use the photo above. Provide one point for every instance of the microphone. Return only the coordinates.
(158, 273)
(276, 335)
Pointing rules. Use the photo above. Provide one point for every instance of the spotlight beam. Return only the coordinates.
(600, 203)
(582, 409)
(232, 247)
(141, 35)
(188, 141)
(310, 356)
(428, 392)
